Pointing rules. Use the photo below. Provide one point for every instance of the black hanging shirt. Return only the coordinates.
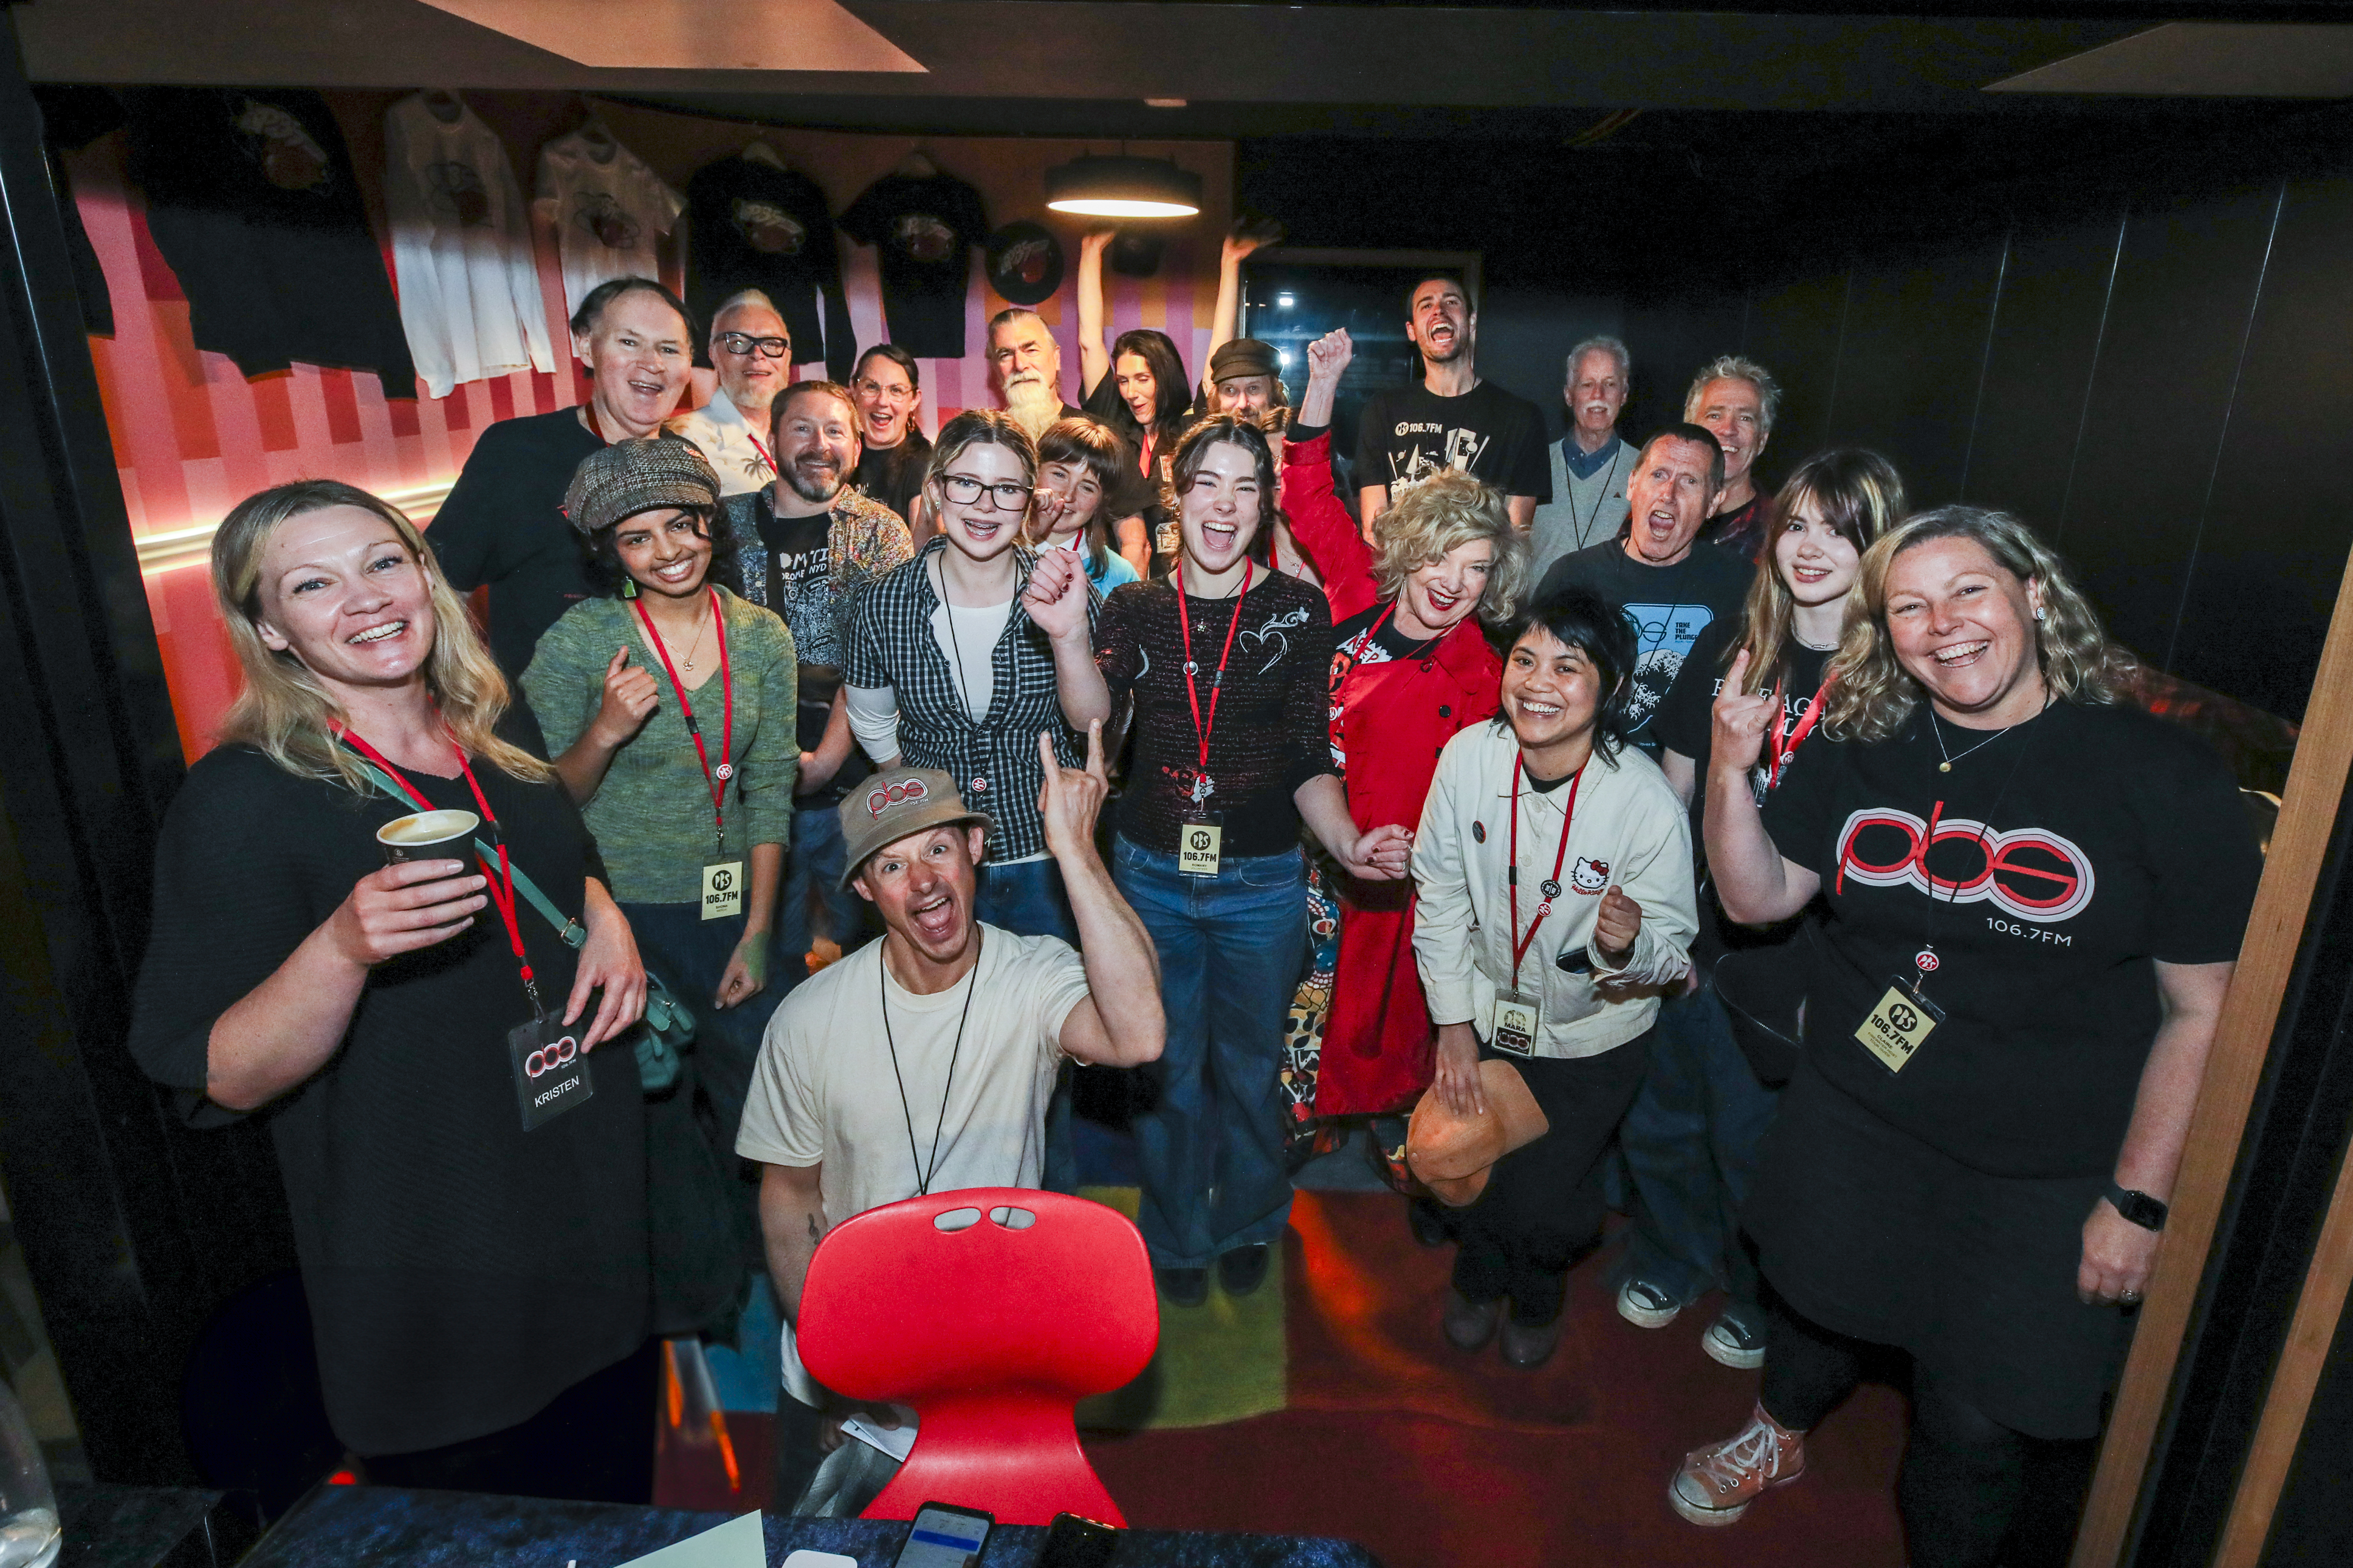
(754, 226)
(923, 231)
(251, 198)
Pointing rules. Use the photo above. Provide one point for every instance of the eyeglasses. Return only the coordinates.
(744, 343)
(963, 489)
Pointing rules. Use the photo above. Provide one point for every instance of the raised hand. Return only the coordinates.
(1072, 799)
(1380, 855)
(1737, 736)
(630, 696)
(1096, 242)
(1328, 356)
(1056, 597)
(1247, 236)
(1617, 924)
(399, 909)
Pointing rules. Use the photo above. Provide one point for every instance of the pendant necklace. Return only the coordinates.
(702, 625)
(1947, 765)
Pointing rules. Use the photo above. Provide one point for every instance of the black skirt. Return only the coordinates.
(1871, 1233)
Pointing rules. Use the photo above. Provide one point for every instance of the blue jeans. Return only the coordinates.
(814, 864)
(1027, 899)
(1690, 1141)
(1231, 947)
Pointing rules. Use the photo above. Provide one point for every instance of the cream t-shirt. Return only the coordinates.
(824, 1092)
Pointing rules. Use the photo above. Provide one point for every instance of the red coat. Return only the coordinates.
(1389, 721)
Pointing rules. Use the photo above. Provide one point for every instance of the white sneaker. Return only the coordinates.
(1646, 1306)
(1717, 1483)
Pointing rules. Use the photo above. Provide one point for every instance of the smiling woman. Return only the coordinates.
(390, 1037)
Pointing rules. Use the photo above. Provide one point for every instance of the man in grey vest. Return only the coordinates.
(1592, 463)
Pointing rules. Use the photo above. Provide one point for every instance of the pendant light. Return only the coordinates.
(1122, 187)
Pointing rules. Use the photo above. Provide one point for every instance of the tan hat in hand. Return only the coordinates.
(1452, 1154)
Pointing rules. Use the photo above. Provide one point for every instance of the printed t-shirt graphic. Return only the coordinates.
(1668, 607)
(609, 207)
(2064, 858)
(922, 231)
(470, 296)
(1408, 434)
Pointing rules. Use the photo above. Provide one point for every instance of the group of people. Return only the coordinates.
(1650, 802)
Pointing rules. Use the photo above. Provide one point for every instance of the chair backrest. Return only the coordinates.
(993, 1312)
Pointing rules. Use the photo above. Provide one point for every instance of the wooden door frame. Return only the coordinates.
(2234, 1069)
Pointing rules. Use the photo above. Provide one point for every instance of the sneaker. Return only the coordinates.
(1243, 1269)
(1468, 1324)
(1183, 1287)
(1731, 1342)
(1646, 1306)
(1717, 1483)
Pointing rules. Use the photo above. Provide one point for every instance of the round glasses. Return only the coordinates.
(963, 489)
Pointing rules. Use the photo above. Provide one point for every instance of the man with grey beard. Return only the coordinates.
(1028, 364)
(809, 545)
(752, 351)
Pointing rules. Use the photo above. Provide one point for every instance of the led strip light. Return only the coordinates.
(190, 546)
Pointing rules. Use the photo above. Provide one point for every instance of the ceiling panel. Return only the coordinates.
(2206, 59)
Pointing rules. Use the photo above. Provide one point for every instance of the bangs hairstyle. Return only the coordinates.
(1437, 517)
(981, 428)
(1232, 429)
(1172, 396)
(283, 710)
(1090, 444)
(1861, 496)
(1873, 695)
(1580, 618)
(608, 579)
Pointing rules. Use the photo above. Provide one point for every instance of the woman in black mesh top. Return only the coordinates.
(1227, 663)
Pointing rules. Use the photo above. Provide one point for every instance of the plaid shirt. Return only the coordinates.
(994, 762)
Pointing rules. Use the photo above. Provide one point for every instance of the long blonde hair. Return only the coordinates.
(283, 710)
(1860, 495)
(1436, 517)
(1873, 695)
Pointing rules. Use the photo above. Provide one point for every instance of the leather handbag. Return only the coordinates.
(669, 1026)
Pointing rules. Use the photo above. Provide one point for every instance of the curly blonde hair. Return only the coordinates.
(1440, 515)
(1873, 695)
(282, 710)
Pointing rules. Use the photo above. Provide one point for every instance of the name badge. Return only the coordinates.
(1895, 1030)
(722, 890)
(1517, 1018)
(1196, 848)
(550, 1071)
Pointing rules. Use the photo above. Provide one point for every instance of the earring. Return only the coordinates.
(629, 591)
(2038, 612)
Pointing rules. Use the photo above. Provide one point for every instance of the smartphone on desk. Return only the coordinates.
(1075, 1541)
(945, 1536)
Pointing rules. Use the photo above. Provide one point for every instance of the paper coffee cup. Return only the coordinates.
(426, 835)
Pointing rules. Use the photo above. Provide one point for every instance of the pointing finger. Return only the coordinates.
(1051, 764)
(1095, 750)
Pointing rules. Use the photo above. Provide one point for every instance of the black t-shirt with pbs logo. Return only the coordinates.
(2066, 857)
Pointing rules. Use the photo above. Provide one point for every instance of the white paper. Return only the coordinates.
(738, 1543)
(896, 1441)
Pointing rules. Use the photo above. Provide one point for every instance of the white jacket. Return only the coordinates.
(1630, 832)
(720, 432)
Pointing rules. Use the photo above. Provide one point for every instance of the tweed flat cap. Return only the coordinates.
(630, 477)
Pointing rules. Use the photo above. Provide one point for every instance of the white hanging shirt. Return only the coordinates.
(470, 299)
(609, 209)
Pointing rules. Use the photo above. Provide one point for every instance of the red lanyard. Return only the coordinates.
(501, 886)
(715, 777)
(1782, 739)
(1551, 888)
(760, 447)
(1216, 682)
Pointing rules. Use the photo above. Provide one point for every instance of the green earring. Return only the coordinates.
(628, 587)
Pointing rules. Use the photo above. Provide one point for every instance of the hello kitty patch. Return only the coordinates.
(1590, 876)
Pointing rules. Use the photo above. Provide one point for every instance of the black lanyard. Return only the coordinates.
(972, 984)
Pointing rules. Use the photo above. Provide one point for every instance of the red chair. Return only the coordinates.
(993, 1326)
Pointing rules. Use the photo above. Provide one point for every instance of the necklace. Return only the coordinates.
(702, 625)
(972, 984)
(1947, 765)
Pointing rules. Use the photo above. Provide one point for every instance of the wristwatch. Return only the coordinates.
(2138, 1207)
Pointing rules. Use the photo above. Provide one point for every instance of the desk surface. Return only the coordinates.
(373, 1527)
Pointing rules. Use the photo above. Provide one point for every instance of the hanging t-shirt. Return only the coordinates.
(2066, 856)
(470, 297)
(1669, 606)
(1410, 433)
(251, 198)
(892, 475)
(754, 224)
(609, 209)
(922, 231)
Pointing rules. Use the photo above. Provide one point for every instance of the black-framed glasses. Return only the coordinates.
(963, 489)
(744, 343)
